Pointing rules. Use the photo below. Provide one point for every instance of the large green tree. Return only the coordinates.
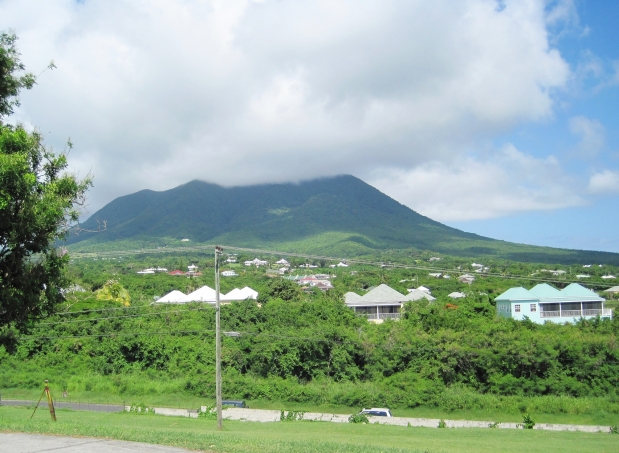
(39, 201)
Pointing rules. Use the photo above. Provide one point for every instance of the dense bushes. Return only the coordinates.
(318, 351)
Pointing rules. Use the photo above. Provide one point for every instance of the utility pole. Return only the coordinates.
(218, 251)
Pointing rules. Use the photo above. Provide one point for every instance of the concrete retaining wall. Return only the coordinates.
(264, 416)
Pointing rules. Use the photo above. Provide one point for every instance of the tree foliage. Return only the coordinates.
(38, 203)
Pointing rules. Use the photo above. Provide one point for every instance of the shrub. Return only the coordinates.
(527, 421)
(358, 418)
(291, 416)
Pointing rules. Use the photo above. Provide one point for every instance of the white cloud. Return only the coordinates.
(481, 188)
(592, 135)
(155, 93)
(606, 181)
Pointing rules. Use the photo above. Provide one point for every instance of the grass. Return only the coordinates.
(293, 437)
(578, 411)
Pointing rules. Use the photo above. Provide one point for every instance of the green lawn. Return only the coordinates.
(200, 434)
(186, 401)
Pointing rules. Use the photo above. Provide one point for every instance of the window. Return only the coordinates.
(533, 308)
(517, 308)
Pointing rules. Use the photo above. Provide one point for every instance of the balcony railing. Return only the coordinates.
(576, 313)
(383, 315)
(571, 313)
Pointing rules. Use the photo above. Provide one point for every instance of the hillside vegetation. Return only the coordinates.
(333, 216)
(312, 349)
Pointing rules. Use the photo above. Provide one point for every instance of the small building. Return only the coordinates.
(382, 302)
(546, 303)
(256, 262)
(608, 277)
(466, 278)
(436, 274)
(229, 273)
(282, 262)
(421, 288)
(456, 295)
(612, 291)
(176, 272)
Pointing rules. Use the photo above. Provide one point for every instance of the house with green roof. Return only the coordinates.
(544, 303)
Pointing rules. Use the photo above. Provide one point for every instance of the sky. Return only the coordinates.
(497, 117)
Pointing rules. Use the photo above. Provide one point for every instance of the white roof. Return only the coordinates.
(457, 295)
(235, 294)
(246, 293)
(417, 294)
(383, 295)
(351, 297)
(173, 297)
(204, 294)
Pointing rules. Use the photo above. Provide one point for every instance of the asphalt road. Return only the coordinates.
(34, 443)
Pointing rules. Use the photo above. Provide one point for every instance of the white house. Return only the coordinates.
(456, 295)
(342, 264)
(546, 303)
(256, 262)
(436, 274)
(466, 278)
(382, 302)
(608, 277)
(283, 262)
(229, 273)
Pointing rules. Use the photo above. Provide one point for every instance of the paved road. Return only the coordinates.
(34, 443)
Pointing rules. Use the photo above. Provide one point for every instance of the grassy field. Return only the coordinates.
(582, 414)
(200, 434)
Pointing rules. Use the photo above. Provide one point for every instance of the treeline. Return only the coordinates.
(315, 349)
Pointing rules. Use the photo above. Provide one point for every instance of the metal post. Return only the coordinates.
(218, 251)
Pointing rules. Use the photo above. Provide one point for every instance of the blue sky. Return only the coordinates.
(590, 44)
(494, 116)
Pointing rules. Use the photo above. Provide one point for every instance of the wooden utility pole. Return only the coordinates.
(218, 251)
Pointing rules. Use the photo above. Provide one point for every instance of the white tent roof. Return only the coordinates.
(249, 293)
(204, 294)
(235, 294)
(173, 297)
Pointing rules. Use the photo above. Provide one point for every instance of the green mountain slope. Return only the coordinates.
(339, 215)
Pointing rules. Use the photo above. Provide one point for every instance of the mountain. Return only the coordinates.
(341, 215)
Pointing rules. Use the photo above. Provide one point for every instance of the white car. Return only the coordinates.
(377, 412)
